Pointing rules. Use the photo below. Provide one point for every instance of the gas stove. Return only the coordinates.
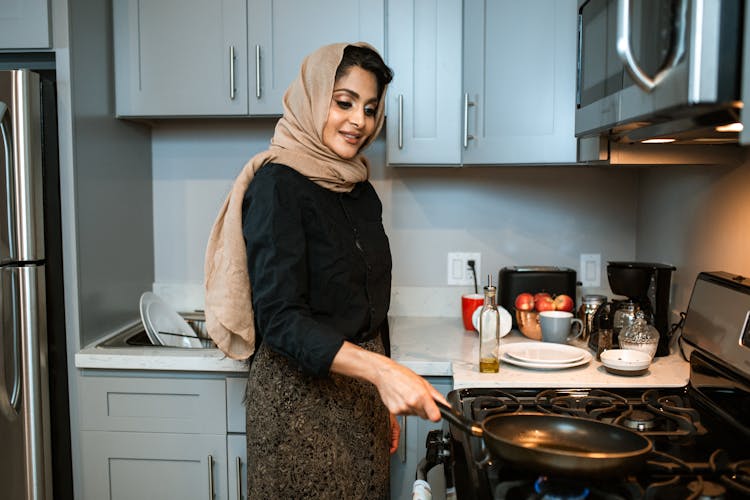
(700, 433)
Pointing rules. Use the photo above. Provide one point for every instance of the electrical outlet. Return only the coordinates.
(591, 269)
(459, 272)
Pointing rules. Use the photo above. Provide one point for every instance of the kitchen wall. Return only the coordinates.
(513, 215)
(696, 218)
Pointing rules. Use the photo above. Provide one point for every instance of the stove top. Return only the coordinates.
(700, 433)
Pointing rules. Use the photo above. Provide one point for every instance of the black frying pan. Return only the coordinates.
(556, 444)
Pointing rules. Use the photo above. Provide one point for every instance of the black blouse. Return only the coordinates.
(319, 264)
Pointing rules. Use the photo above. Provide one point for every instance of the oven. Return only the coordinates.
(700, 433)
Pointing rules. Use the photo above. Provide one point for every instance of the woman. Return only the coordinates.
(306, 233)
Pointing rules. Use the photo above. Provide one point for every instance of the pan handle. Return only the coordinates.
(456, 418)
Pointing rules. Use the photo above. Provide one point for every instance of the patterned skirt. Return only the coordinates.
(313, 437)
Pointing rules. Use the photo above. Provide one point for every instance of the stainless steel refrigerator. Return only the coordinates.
(34, 420)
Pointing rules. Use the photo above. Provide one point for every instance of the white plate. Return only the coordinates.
(506, 322)
(625, 359)
(160, 319)
(545, 366)
(544, 352)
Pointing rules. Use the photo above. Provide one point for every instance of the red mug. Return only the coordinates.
(469, 304)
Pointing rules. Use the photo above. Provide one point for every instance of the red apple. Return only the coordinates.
(545, 304)
(540, 296)
(524, 302)
(564, 303)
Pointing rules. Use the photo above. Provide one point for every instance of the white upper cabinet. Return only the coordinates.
(424, 99)
(24, 24)
(282, 32)
(482, 82)
(179, 58)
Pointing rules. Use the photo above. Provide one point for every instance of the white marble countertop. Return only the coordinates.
(431, 346)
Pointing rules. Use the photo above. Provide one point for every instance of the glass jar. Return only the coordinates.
(489, 333)
(640, 336)
(623, 317)
(589, 304)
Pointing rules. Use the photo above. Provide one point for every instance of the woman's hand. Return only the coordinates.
(395, 433)
(403, 392)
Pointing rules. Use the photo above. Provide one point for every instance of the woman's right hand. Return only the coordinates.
(403, 392)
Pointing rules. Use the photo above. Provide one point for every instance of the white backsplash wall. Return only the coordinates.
(512, 215)
(697, 219)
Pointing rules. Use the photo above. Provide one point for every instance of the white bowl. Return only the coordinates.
(626, 361)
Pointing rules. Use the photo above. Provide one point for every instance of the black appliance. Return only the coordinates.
(647, 286)
(533, 279)
(700, 433)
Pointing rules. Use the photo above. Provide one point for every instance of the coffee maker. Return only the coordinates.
(647, 288)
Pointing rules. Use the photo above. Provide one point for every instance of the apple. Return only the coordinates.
(540, 296)
(545, 304)
(524, 302)
(563, 303)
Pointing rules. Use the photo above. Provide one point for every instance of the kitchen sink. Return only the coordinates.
(135, 335)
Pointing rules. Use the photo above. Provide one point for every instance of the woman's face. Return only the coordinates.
(351, 116)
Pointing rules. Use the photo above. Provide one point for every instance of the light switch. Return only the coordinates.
(590, 272)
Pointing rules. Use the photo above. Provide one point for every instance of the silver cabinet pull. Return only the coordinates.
(239, 478)
(232, 89)
(257, 71)
(467, 137)
(625, 52)
(210, 477)
(402, 440)
(401, 121)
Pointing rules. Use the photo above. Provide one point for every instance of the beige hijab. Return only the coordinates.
(297, 143)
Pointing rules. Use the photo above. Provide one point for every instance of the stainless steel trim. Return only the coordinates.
(239, 478)
(402, 440)
(625, 52)
(22, 232)
(401, 121)
(257, 71)
(231, 73)
(467, 137)
(210, 477)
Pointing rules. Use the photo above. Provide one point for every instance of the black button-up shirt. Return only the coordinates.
(319, 264)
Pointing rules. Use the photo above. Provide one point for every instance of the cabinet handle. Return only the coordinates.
(210, 477)
(467, 137)
(401, 121)
(232, 90)
(239, 478)
(402, 440)
(257, 71)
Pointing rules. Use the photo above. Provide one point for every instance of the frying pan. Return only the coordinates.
(556, 444)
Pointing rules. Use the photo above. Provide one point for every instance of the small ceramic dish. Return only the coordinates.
(627, 362)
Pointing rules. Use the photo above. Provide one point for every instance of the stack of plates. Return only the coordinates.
(544, 356)
(164, 326)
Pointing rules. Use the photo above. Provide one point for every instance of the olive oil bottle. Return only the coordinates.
(489, 331)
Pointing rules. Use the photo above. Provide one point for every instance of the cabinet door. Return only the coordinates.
(237, 466)
(412, 449)
(180, 57)
(519, 72)
(282, 32)
(424, 108)
(141, 466)
(24, 24)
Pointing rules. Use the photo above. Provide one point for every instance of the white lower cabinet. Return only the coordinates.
(162, 437)
(412, 449)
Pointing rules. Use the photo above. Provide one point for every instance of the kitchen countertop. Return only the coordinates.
(431, 346)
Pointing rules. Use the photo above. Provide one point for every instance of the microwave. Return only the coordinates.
(659, 71)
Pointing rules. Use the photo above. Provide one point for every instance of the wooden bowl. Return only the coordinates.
(528, 323)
